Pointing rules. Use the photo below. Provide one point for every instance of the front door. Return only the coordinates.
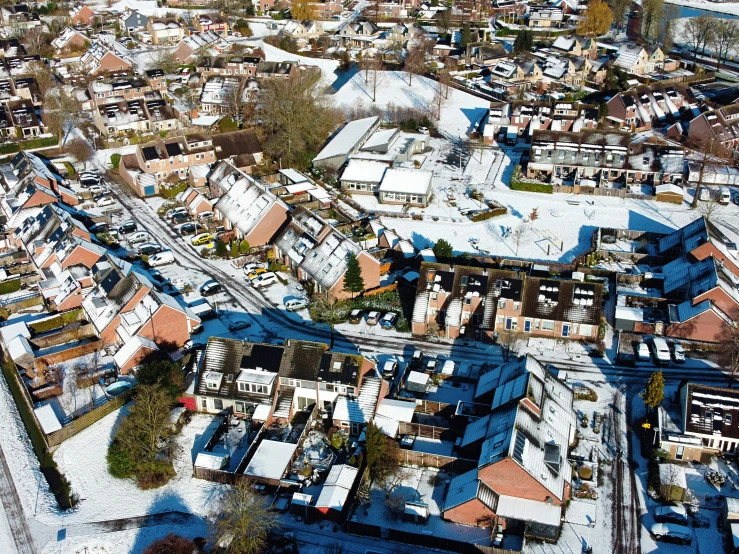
(566, 330)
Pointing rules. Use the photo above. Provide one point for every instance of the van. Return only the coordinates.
(660, 351)
(669, 532)
(162, 258)
(389, 368)
(149, 249)
(724, 195)
(416, 359)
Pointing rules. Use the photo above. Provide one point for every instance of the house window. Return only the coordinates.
(501, 304)
(586, 330)
(218, 404)
(515, 306)
(467, 301)
(434, 297)
(204, 404)
(680, 452)
(240, 408)
(547, 325)
(243, 387)
(356, 428)
(464, 281)
(727, 419)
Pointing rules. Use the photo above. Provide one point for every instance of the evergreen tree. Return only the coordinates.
(442, 249)
(465, 36)
(353, 280)
(654, 393)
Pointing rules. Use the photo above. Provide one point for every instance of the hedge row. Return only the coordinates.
(28, 144)
(482, 216)
(518, 184)
(55, 322)
(11, 285)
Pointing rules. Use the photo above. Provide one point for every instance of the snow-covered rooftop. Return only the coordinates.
(271, 459)
(409, 181)
(348, 138)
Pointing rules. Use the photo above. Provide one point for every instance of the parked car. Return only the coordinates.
(389, 368)
(642, 352)
(210, 288)
(670, 532)
(256, 273)
(177, 210)
(265, 280)
(128, 227)
(179, 217)
(423, 130)
(205, 216)
(104, 201)
(149, 248)
(373, 318)
(355, 316)
(252, 266)
(192, 346)
(201, 239)
(190, 228)
(416, 359)
(678, 353)
(161, 258)
(432, 366)
(660, 350)
(388, 320)
(671, 514)
(138, 237)
(98, 189)
(238, 324)
(295, 304)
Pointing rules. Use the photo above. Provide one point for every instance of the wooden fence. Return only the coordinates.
(447, 463)
(428, 431)
(426, 541)
(431, 407)
(597, 191)
(83, 422)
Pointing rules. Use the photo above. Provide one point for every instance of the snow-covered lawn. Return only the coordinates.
(103, 497)
(425, 485)
(460, 113)
(562, 230)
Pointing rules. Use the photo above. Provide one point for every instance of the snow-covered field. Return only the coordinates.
(731, 8)
(460, 112)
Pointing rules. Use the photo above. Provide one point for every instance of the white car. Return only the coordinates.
(264, 280)
(105, 201)
(642, 352)
(295, 304)
(423, 130)
(177, 210)
(138, 237)
(98, 189)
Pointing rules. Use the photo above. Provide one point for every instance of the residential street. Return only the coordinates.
(13, 510)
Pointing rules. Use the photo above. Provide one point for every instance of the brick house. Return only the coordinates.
(130, 87)
(245, 66)
(155, 161)
(522, 479)
(165, 30)
(214, 22)
(127, 311)
(81, 15)
(317, 253)
(577, 46)
(716, 127)
(245, 206)
(70, 40)
(459, 300)
(601, 159)
(100, 59)
(193, 45)
(700, 283)
(640, 107)
(282, 70)
(274, 382)
(150, 114)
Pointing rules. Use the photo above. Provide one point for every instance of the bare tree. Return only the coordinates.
(698, 32)
(241, 521)
(444, 21)
(667, 24)
(508, 340)
(438, 102)
(80, 149)
(728, 337)
(713, 155)
(373, 74)
(60, 111)
(651, 15)
(34, 39)
(415, 60)
(725, 39)
(519, 234)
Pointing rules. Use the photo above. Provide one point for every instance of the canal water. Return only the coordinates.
(694, 12)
